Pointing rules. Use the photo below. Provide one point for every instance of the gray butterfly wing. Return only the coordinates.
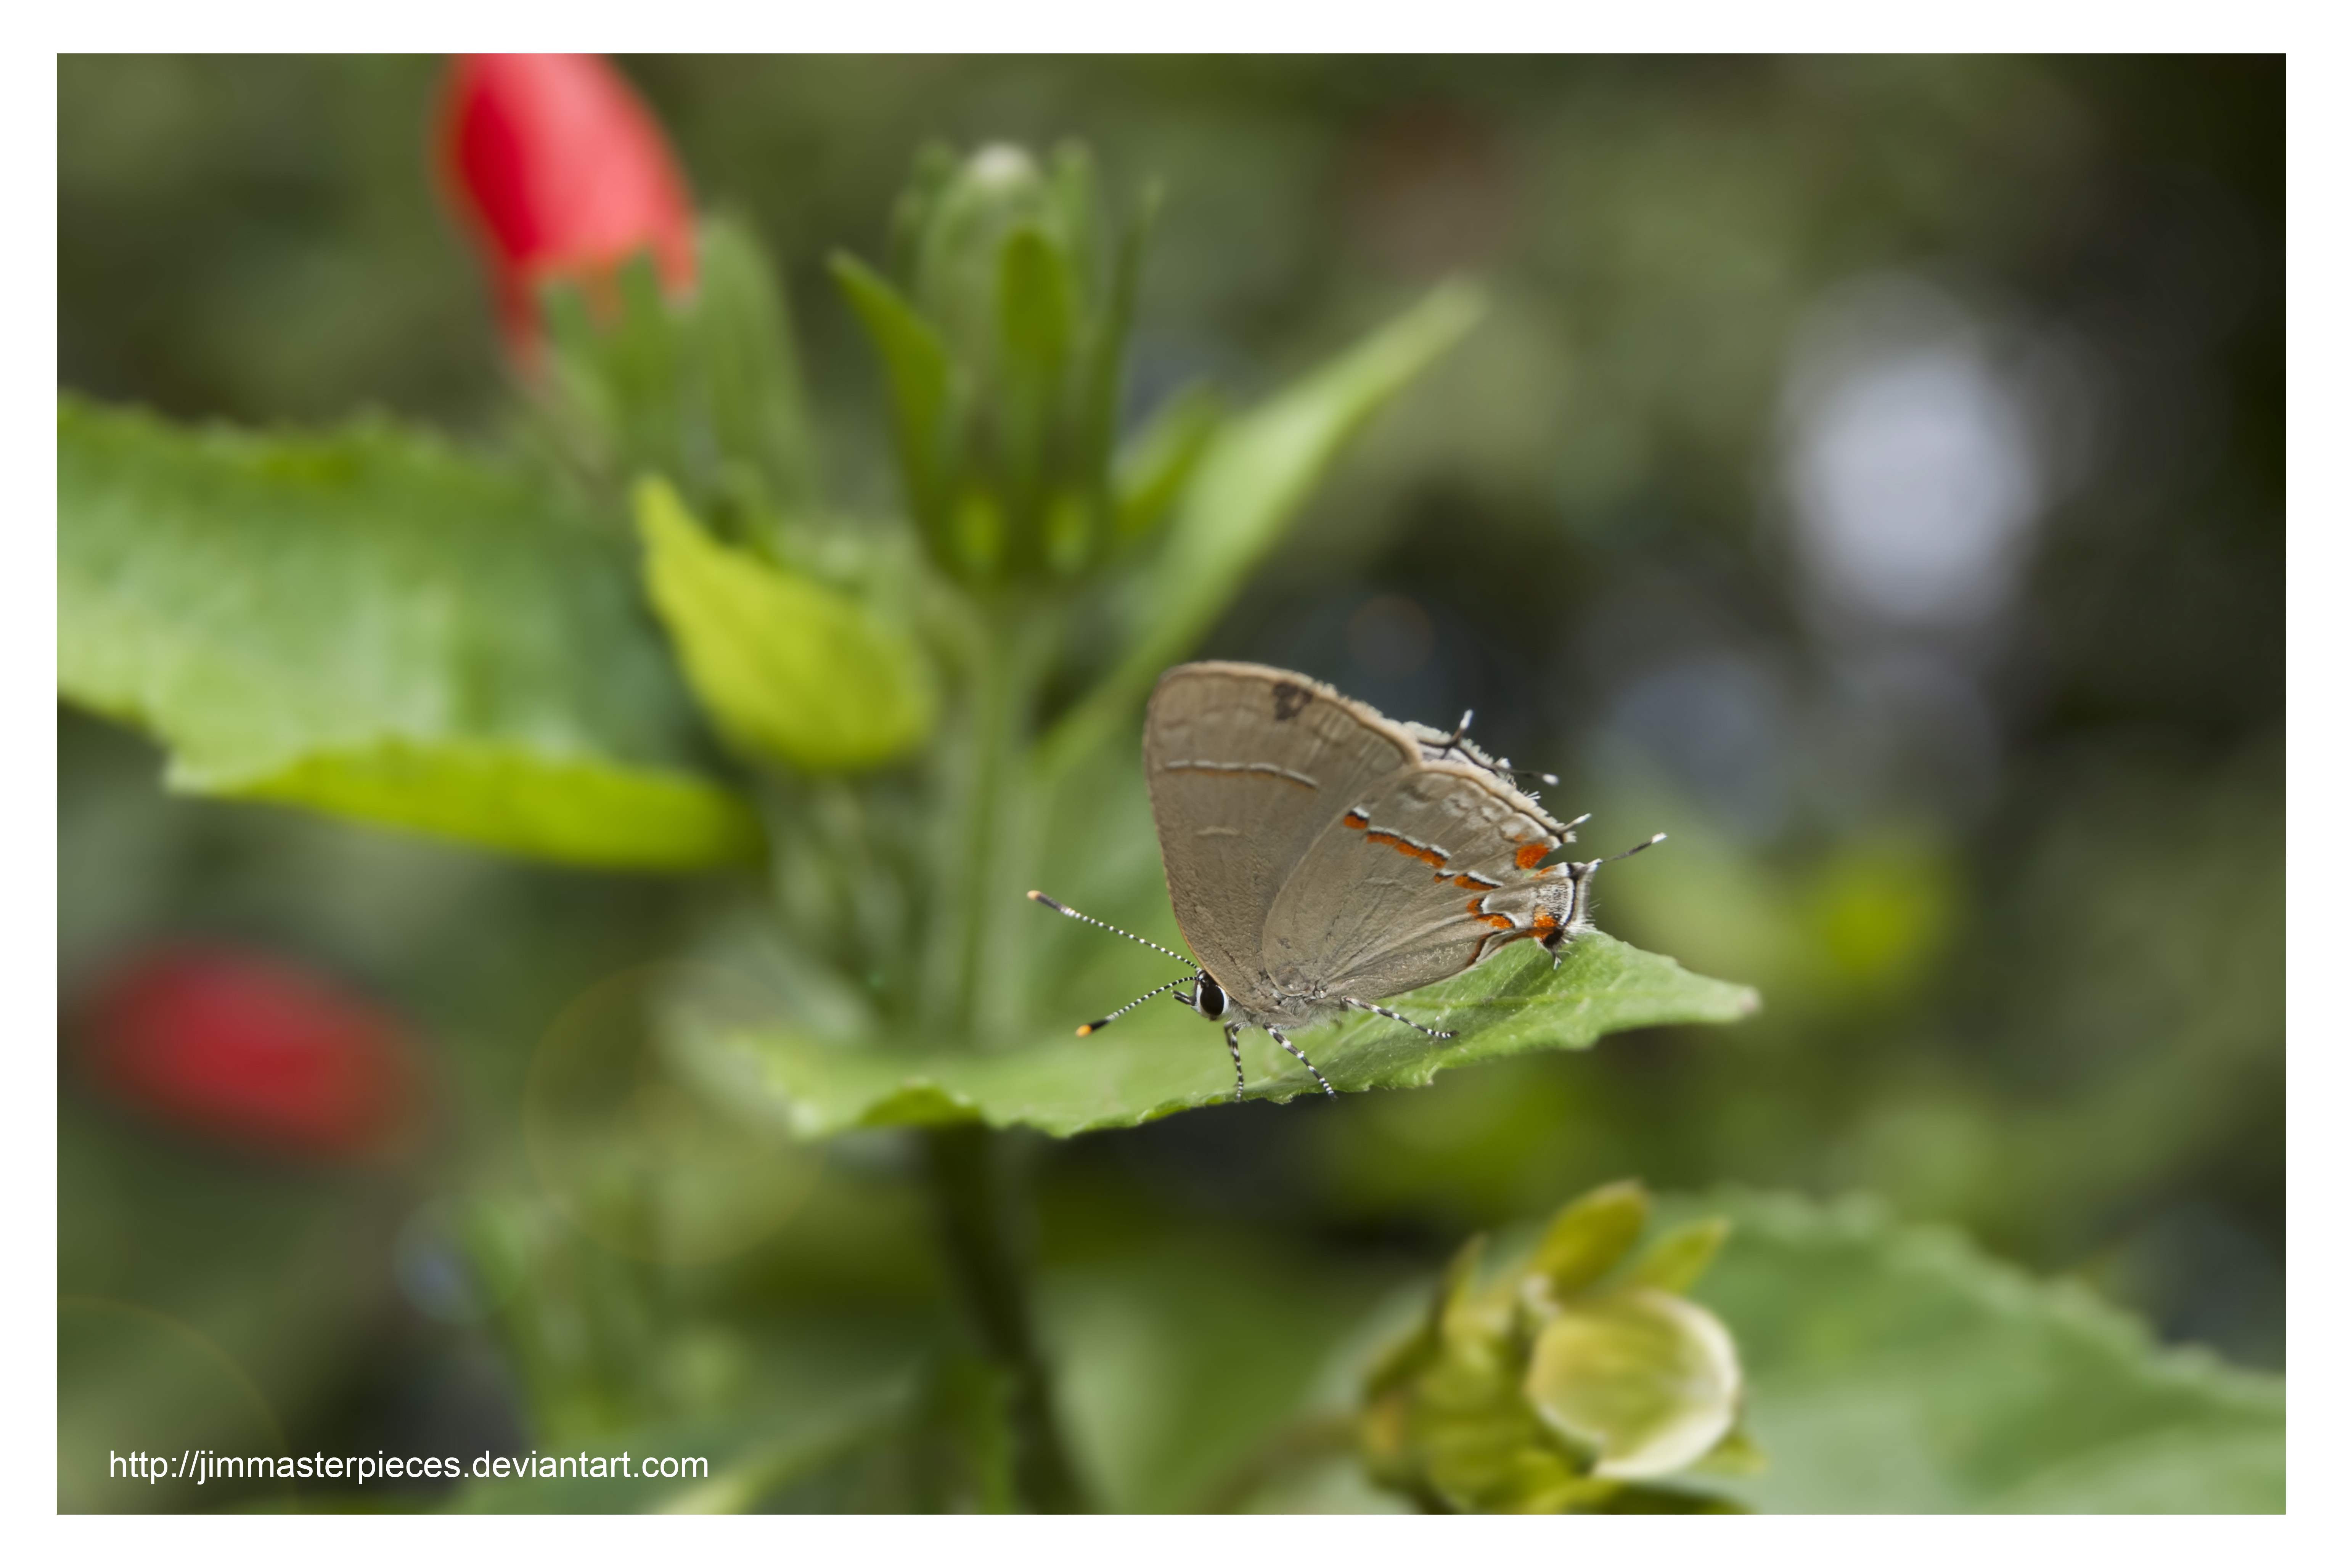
(1247, 768)
(1421, 877)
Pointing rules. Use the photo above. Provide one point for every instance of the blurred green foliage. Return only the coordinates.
(2012, 888)
(499, 685)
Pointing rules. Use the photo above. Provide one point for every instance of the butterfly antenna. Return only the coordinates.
(1040, 898)
(1454, 737)
(1097, 1024)
(1655, 838)
(1506, 765)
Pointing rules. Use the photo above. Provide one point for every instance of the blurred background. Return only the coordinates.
(1870, 473)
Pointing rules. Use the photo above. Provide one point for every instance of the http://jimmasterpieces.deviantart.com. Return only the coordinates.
(202, 1466)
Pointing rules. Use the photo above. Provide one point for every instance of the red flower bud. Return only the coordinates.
(561, 172)
(252, 1050)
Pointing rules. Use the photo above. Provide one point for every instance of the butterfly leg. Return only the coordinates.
(1278, 1035)
(1229, 1034)
(1386, 1012)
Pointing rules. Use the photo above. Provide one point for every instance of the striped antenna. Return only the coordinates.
(1655, 838)
(1455, 742)
(1040, 898)
(1093, 1027)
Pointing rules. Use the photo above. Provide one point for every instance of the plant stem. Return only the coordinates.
(998, 720)
(964, 1176)
(981, 1243)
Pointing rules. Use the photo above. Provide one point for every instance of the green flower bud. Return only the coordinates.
(1565, 1383)
(1001, 335)
(1647, 1380)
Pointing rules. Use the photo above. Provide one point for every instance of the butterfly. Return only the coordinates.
(1321, 856)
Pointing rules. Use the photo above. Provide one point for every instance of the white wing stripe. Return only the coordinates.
(1186, 765)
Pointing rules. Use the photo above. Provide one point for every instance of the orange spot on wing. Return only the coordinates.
(1501, 922)
(1412, 852)
(1529, 854)
(1354, 819)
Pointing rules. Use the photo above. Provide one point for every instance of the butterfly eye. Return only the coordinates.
(1211, 1001)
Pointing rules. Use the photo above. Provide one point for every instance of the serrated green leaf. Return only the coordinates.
(790, 669)
(1587, 1239)
(1251, 483)
(1157, 1062)
(1648, 1380)
(920, 389)
(1678, 1259)
(367, 622)
(1896, 1368)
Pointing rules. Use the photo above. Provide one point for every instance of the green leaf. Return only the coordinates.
(368, 623)
(1103, 397)
(933, 168)
(1037, 334)
(1253, 482)
(702, 387)
(1896, 1368)
(1073, 211)
(755, 402)
(920, 385)
(789, 669)
(615, 381)
(1648, 1380)
(1161, 1059)
(1156, 465)
(1037, 307)
(1408, 1357)
(1587, 1239)
(1678, 1259)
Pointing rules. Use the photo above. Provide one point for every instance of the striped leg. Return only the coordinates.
(1229, 1034)
(1386, 1012)
(1278, 1035)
